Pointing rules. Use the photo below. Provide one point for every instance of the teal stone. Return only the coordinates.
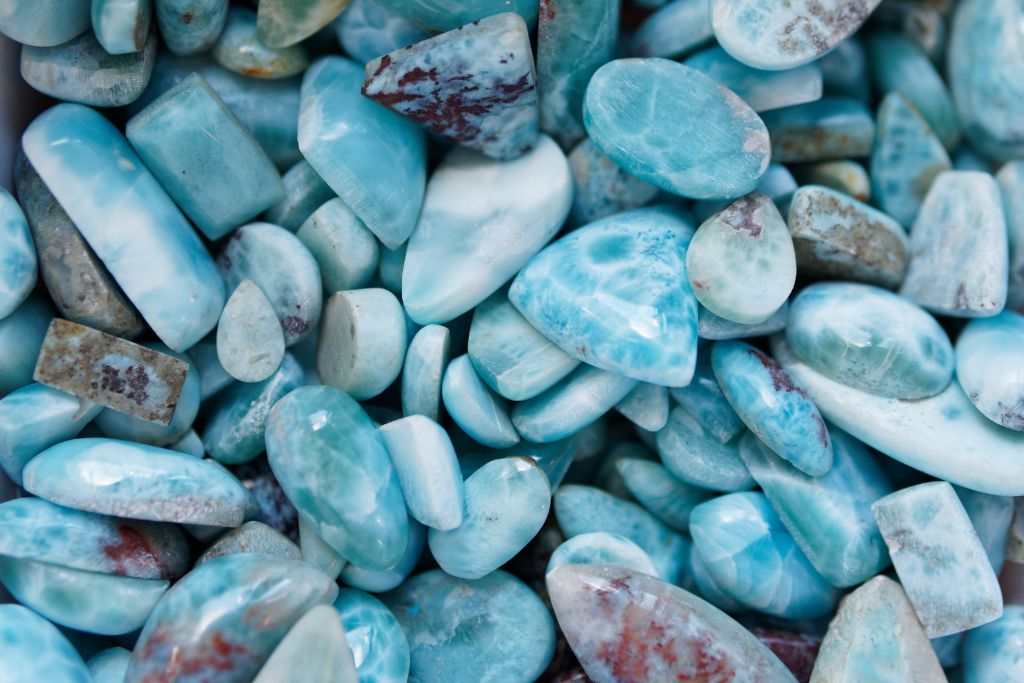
(18, 260)
(212, 377)
(1011, 182)
(316, 552)
(829, 516)
(632, 122)
(121, 26)
(991, 517)
(46, 23)
(21, 336)
(898, 65)
(304, 193)
(332, 465)
(103, 604)
(702, 399)
(829, 128)
(762, 90)
(375, 637)
(939, 558)
(585, 510)
(250, 341)
(848, 177)
(640, 317)
(252, 537)
(190, 27)
(712, 327)
(480, 413)
(137, 482)
(444, 16)
(706, 587)
(34, 650)
(383, 580)
(602, 548)
(603, 189)
(664, 496)
(992, 652)
(906, 159)
(492, 629)
(110, 665)
(985, 57)
(482, 221)
(147, 244)
(959, 252)
(313, 651)
(346, 252)
(205, 158)
(752, 557)
(693, 453)
(870, 339)
(646, 406)
(844, 70)
(392, 262)
(676, 28)
(225, 618)
(987, 357)
(240, 49)
(425, 363)
(368, 29)
(374, 159)
(554, 458)
(286, 22)
(777, 183)
(965, 158)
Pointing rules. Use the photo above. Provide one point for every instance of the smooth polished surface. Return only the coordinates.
(988, 363)
(33, 649)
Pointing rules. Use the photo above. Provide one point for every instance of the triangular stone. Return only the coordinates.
(313, 651)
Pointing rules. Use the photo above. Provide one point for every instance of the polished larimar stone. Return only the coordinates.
(632, 122)
(445, 16)
(17, 256)
(33, 649)
(992, 517)
(46, 23)
(190, 444)
(316, 552)
(491, 629)
(212, 377)
(313, 651)
(110, 665)
(284, 270)
(554, 458)
(428, 471)
(845, 176)
(374, 159)
(482, 221)
(876, 637)
(190, 26)
(205, 158)
(506, 503)
(602, 188)
(584, 510)
(991, 652)
(392, 262)
(959, 262)
(664, 496)
(382, 580)
(750, 555)
(712, 327)
(906, 159)
(1011, 182)
(744, 243)
(367, 29)
(602, 548)
(693, 452)
(837, 236)
(702, 399)
(985, 57)
(646, 406)
(225, 618)
(762, 90)
(240, 49)
(475, 408)
(305, 192)
(706, 587)
(844, 70)
(82, 71)
(939, 558)
(345, 250)
(252, 537)
(250, 341)
(425, 363)
(829, 516)
(474, 85)
(146, 244)
(778, 184)
(673, 30)
(829, 128)
(21, 336)
(870, 339)
(379, 647)
(988, 354)
(640, 318)
(331, 462)
(626, 626)
(138, 482)
(121, 26)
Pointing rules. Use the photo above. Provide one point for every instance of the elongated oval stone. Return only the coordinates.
(314, 650)
(640, 318)
(602, 548)
(987, 359)
(345, 250)
(673, 30)
(762, 90)
(333, 466)
(632, 121)
(870, 339)
(829, 128)
(646, 406)
(664, 496)
(34, 650)
(250, 341)
(422, 373)
(46, 23)
(21, 336)
(286, 22)
(367, 29)
(692, 452)
(603, 188)
(121, 26)
(110, 665)
(383, 580)
(443, 17)
(702, 399)
(378, 645)
(475, 408)
(844, 175)
(240, 49)
(991, 652)
(190, 26)
(18, 260)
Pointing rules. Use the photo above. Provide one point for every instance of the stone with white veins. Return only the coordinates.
(250, 341)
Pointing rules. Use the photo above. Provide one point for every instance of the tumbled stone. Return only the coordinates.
(829, 128)
(762, 90)
(190, 26)
(423, 370)
(313, 651)
(777, 183)
(602, 187)
(703, 400)
(250, 341)
(673, 30)
(383, 580)
(110, 665)
(692, 452)
(33, 649)
(286, 22)
(992, 517)
(367, 29)
(212, 377)
(240, 49)
(475, 408)
(346, 252)
(46, 23)
(713, 327)
(646, 406)
(602, 548)
(252, 537)
(316, 552)
(121, 26)
(845, 176)
(305, 192)
(664, 496)
(379, 647)
(436, 17)
(18, 260)
(992, 652)
(1011, 182)
(21, 335)
(986, 353)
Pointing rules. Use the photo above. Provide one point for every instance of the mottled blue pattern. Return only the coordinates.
(705, 586)
(988, 367)
(45, 23)
(664, 496)
(425, 362)
(829, 128)
(21, 336)
(475, 408)
(368, 29)
(190, 26)
(381, 580)
(110, 665)
(703, 400)
(762, 90)
(602, 187)
(121, 26)
(693, 452)
(428, 471)
(17, 256)
(240, 49)
(33, 649)
(992, 652)
(444, 15)
(646, 406)
(379, 648)
(674, 29)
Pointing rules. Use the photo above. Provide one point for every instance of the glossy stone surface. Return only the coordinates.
(121, 26)
(286, 22)
(18, 264)
(762, 90)
(379, 648)
(46, 23)
(992, 518)
(445, 16)
(383, 580)
(33, 649)
(492, 629)
(627, 626)
(986, 367)
(631, 122)
(147, 245)
(110, 665)
(425, 363)
(602, 187)
(991, 652)
(316, 552)
(829, 128)
(250, 341)
(314, 650)
(367, 29)
(664, 496)
(483, 415)
(305, 192)
(712, 327)
(602, 548)
(646, 406)
(673, 30)
(190, 26)
(240, 49)
(21, 335)
(345, 250)
(702, 399)
(252, 537)
(374, 159)
(752, 557)
(693, 453)
(958, 263)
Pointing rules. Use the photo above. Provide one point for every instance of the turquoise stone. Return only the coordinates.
(425, 363)
(844, 70)
(959, 261)
(137, 481)
(870, 339)
(752, 557)
(646, 406)
(382, 580)
(585, 510)
(554, 458)
(378, 645)
(693, 453)
(602, 548)
(491, 629)
(475, 408)
(212, 377)
(331, 463)
(965, 158)
(906, 159)
(829, 128)
(777, 183)
(992, 652)
(250, 341)
(205, 158)
(712, 327)
(985, 57)
(21, 336)
(837, 236)
(746, 242)
(225, 618)
(368, 29)
(392, 262)
(316, 552)
(446, 15)
(18, 260)
(987, 358)
(991, 517)
(190, 26)
(762, 90)
(304, 193)
(46, 23)
(898, 65)
(286, 22)
(482, 221)
(674, 29)
(702, 399)
(121, 26)
(345, 250)
(313, 651)
(1011, 182)
(34, 650)
(374, 159)
(632, 122)
(848, 177)
(939, 558)
(147, 245)
(240, 49)
(664, 496)
(627, 626)
(602, 188)
(110, 665)
(640, 318)
(706, 587)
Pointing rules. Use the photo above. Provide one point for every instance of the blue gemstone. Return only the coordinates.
(17, 256)
(305, 192)
(190, 26)
(710, 326)
(110, 665)
(378, 645)
(367, 29)
(345, 250)
(425, 362)
(21, 336)
(602, 548)
(603, 188)
(316, 552)
(664, 496)
(33, 649)
(702, 399)
(694, 453)
(992, 652)
(46, 23)
(1011, 181)
(829, 128)
(121, 26)
(706, 587)
(382, 580)
(240, 49)
(646, 406)
(985, 350)
(673, 30)
(316, 647)
(250, 340)
(991, 517)
(762, 90)
(475, 408)
(435, 17)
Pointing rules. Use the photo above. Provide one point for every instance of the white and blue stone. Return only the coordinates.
(712, 327)
(17, 256)
(705, 586)
(286, 22)
(762, 90)
(676, 28)
(316, 552)
(602, 548)
(33, 649)
(482, 414)
(314, 650)
(444, 16)
(992, 517)
(646, 406)
(777, 183)
(990, 367)
(250, 340)
(21, 336)
(240, 49)
(991, 652)
(425, 363)
(367, 29)
(110, 665)
(379, 647)
(703, 400)
(345, 250)
(46, 23)
(190, 26)
(121, 26)
(383, 580)
(829, 128)
(662, 494)
(693, 452)
(602, 188)
(304, 193)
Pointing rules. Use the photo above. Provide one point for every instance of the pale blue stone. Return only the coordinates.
(602, 188)
(992, 652)
(694, 453)
(640, 318)
(392, 262)
(110, 665)
(374, 159)
(304, 193)
(425, 363)
(17, 256)
(506, 503)
(939, 558)
(829, 128)
(382, 580)
(345, 250)
(554, 458)
(988, 367)
(33, 649)
(121, 26)
(492, 629)
(777, 183)
(703, 400)
(707, 588)
(212, 375)
(21, 335)
(712, 327)
(368, 29)
(331, 463)
(444, 16)
(137, 481)
(286, 22)
(674, 29)
(252, 537)
(475, 408)
(313, 651)
(646, 406)
(316, 552)
(584, 510)
(250, 340)
(190, 444)
(843, 175)
(762, 90)
(750, 555)
(190, 26)
(240, 49)
(991, 517)
(379, 647)
(146, 243)
(664, 496)
(634, 123)
(46, 23)
(1011, 182)
(602, 548)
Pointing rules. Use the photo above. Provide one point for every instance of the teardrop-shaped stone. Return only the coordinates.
(250, 341)
(313, 651)
(988, 367)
